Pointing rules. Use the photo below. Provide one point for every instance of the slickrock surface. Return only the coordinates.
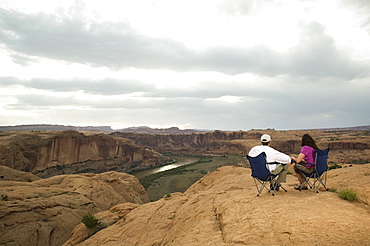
(9, 174)
(222, 209)
(44, 212)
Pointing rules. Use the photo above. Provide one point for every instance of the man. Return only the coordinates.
(276, 161)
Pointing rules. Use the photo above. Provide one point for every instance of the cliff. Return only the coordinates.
(66, 152)
(45, 211)
(346, 146)
(39, 151)
(222, 209)
(216, 142)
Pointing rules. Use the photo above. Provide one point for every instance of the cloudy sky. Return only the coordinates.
(206, 64)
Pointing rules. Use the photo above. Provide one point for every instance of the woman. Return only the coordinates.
(305, 159)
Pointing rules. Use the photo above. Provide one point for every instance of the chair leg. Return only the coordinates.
(260, 189)
(260, 185)
(282, 188)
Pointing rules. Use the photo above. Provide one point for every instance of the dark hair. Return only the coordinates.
(308, 140)
(265, 143)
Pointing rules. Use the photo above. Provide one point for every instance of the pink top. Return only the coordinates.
(309, 155)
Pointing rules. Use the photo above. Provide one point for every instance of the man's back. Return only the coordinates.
(272, 155)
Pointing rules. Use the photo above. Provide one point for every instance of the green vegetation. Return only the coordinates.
(99, 227)
(333, 139)
(348, 194)
(4, 197)
(180, 179)
(165, 163)
(60, 167)
(90, 221)
(148, 180)
(335, 166)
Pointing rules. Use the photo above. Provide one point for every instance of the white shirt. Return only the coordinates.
(272, 155)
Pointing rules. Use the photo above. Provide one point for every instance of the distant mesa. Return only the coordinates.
(171, 130)
(46, 127)
(142, 129)
(135, 129)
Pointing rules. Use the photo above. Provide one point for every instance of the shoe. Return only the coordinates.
(299, 187)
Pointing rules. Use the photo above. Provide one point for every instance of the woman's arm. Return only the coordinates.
(300, 157)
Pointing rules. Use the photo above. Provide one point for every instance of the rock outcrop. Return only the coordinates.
(44, 212)
(39, 151)
(222, 209)
(9, 174)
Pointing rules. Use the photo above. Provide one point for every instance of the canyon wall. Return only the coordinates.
(51, 153)
(36, 151)
(346, 146)
(216, 142)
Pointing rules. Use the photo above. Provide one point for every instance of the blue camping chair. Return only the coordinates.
(319, 174)
(262, 175)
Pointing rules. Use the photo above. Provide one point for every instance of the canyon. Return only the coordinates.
(50, 153)
(39, 151)
(346, 146)
(47, 184)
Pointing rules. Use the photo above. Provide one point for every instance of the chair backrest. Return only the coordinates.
(321, 161)
(258, 165)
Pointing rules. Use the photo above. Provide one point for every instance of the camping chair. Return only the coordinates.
(262, 175)
(319, 174)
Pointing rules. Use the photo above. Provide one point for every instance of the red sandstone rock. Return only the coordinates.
(222, 209)
(35, 151)
(44, 212)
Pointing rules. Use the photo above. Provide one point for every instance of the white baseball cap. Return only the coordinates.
(265, 138)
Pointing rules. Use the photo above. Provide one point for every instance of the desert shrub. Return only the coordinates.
(99, 227)
(89, 220)
(4, 197)
(348, 194)
(335, 166)
(204, 172)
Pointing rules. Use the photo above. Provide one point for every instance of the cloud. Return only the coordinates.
(362, 8)
(269, 104)
(116, 45)
(108, 86)
(80, 70)
(317, 55)
(241, 7)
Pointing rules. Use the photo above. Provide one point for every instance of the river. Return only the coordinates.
(182, 160)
